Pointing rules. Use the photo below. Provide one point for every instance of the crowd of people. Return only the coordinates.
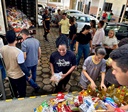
(90, 41)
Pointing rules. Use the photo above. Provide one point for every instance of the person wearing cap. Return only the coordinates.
(64, 61)
(14, 62)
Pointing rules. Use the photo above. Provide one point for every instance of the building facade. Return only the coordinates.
(118, 7)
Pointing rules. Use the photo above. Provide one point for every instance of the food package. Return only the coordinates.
(56, 77)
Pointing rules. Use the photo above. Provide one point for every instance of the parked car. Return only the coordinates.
(70, 11)
(82, 19)
(40, 23)
(121, 29)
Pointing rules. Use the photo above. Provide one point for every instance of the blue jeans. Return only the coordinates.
(3, 72)
(82, 49)
(33, 79)
(72, 44)
(33, 71)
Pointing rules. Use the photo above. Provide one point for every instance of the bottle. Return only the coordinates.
(126, 98)
(80, 98)
(89, 90)
(92, 92)
(108, 92)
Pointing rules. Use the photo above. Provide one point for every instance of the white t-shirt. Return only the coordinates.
(110, 41)
(98, 37)
(1, 42)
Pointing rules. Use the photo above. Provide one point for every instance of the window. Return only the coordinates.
(54, 0)
(81, 19)
(87, 19)
(107, 6)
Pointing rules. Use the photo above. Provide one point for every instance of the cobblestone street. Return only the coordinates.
(43, 70)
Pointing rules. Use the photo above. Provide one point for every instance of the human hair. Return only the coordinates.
(120, 56)
(62, 43)
(65, 14)
(86, 27)
(10, 36)
(58, 10)
(123, 42)
(113, 32)
(25, 31)
(72, 20)
(101, 23)
(100, 50)
(93, 23)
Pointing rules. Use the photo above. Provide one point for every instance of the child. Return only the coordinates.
(92, 67)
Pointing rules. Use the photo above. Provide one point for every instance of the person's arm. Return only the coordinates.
(112, 109)
(77, 44)
(73, 63)
(93, 85)
(69, 71)
(114, 47)
(25, 70)
(91, 45)
(24, 49)
(73, 37)
(103, 70)
(52, 68)
(39, 53)
(20, 60)
(125, 107)
(102, 81)
(25, 55)
(60, 23)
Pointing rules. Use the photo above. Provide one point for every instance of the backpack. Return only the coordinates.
(62, 38)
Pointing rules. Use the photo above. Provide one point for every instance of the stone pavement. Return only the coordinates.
(43, 70)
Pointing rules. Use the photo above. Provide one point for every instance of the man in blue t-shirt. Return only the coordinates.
(32, 52)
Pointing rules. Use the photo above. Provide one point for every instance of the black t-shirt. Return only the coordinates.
(72, 31)
(62, 63)
(83, 39)
(46, 18)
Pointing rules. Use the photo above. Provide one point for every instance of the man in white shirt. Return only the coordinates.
(99, 35)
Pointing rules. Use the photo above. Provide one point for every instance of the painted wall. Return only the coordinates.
(63, 3)
(117, 6)
(94, 7)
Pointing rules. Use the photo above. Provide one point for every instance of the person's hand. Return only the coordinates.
(110, 108)
(29, 77)
(103, 86)
(93, 85)
(63, 76)
(38, 61)
(107, 47)
(76, 52)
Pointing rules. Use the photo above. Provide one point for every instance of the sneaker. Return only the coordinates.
(37, 89)
(1, 95)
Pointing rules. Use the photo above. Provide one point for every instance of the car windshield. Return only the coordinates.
(116, 28)
(82, 19)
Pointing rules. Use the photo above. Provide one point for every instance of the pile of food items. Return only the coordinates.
(87, 100)
(17, 19)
